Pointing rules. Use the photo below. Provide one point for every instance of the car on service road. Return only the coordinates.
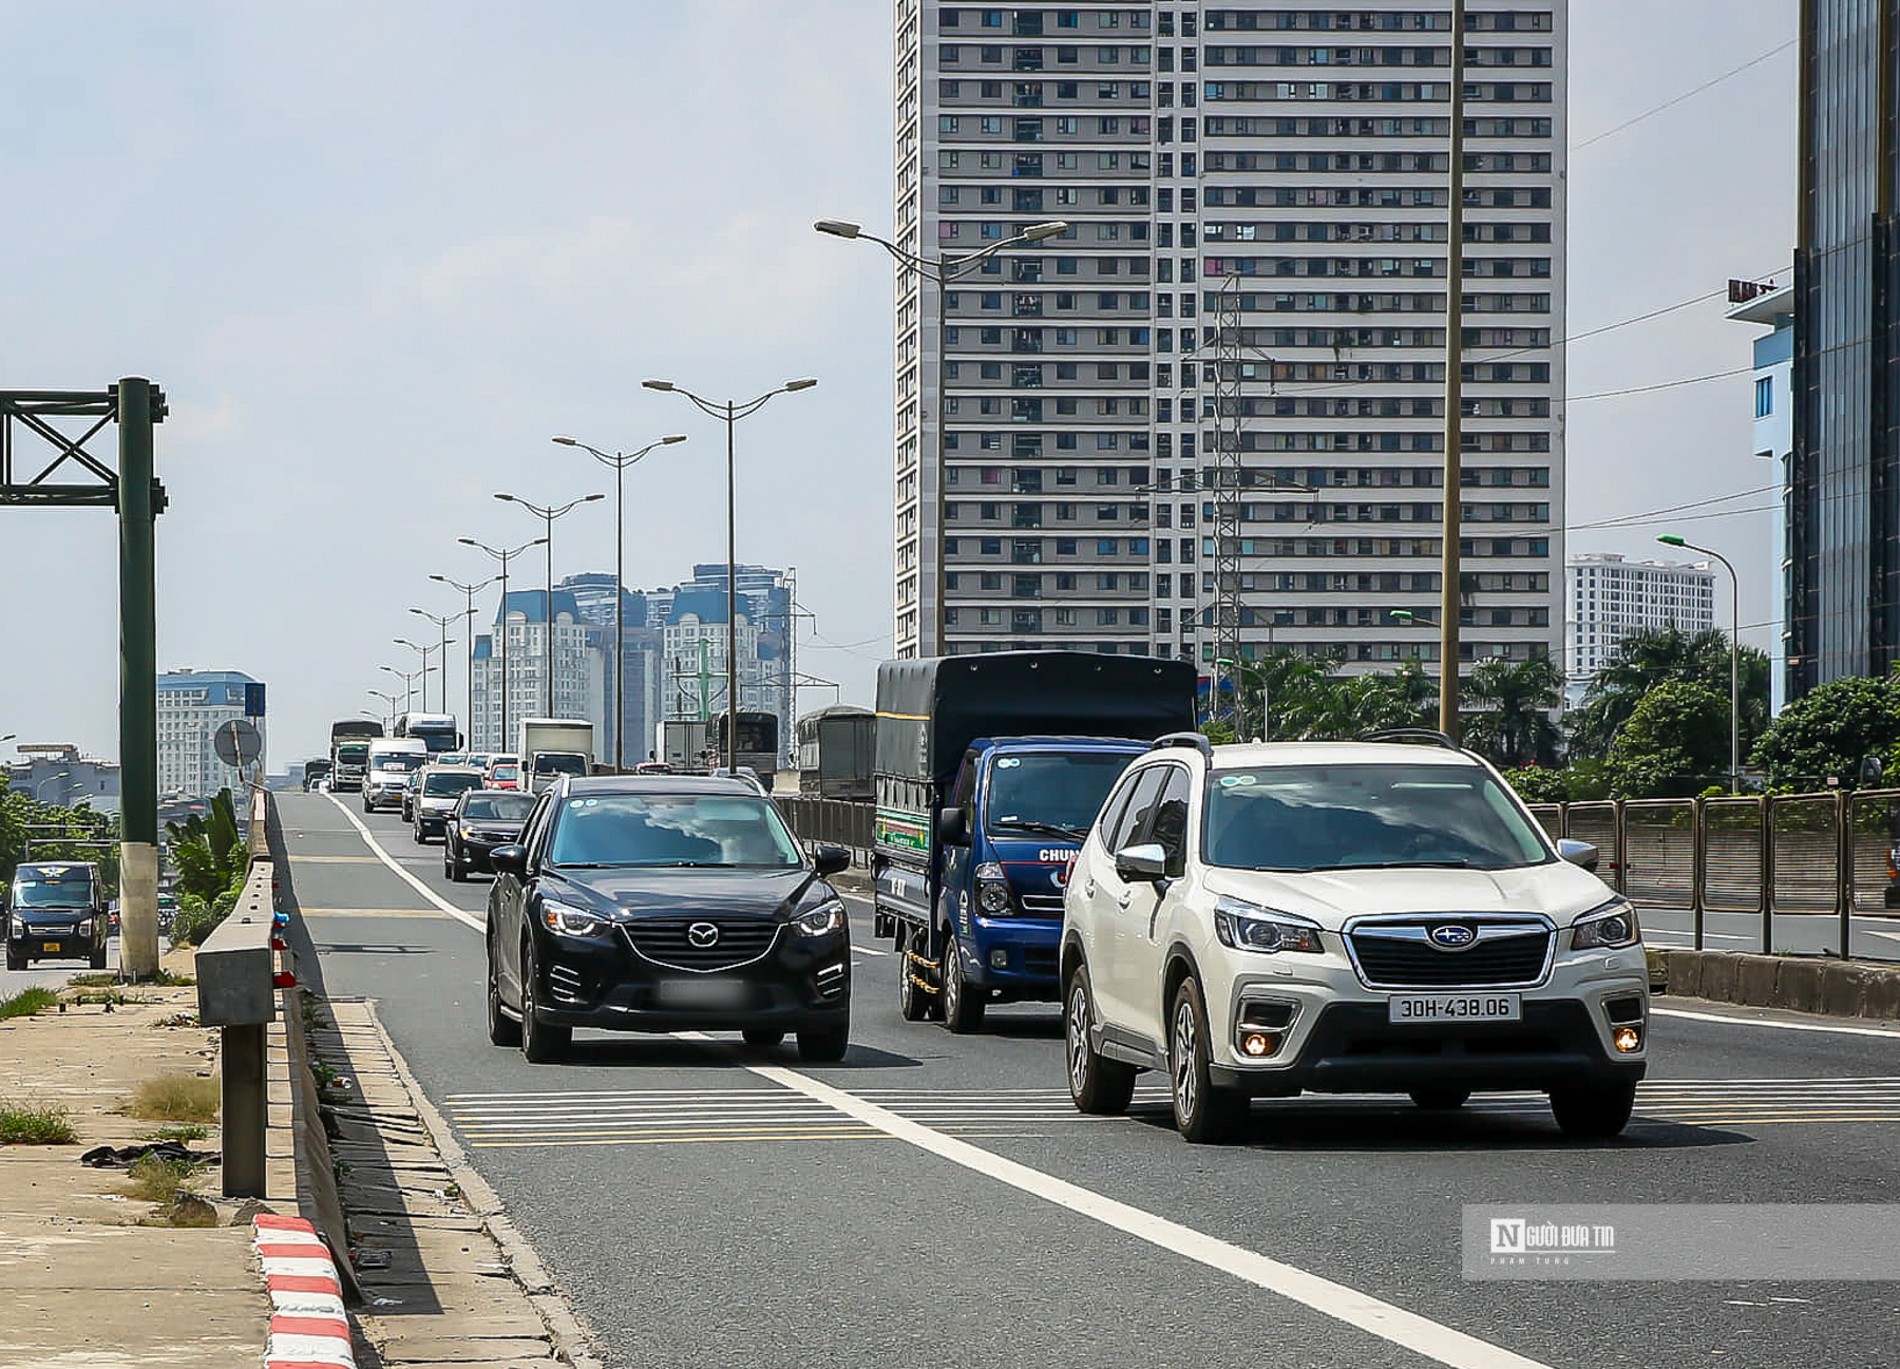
(662, 904)
(481, 820)
(1382, 917)
(437, 789)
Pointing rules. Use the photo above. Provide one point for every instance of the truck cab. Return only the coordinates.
(56, 910)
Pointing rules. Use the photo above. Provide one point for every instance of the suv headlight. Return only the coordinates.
(1607, 927)
(820, 921)
(1249, 927)
(563, 920)
(19, 927)
(85, 927)
(992, 888)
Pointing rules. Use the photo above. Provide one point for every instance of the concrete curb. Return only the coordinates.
(308, 1326)
(1807, 984)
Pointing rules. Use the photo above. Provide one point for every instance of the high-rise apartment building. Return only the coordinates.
(580, 661)
(1772, 306)
(1612, 598)
(1844, 496)
(191, 705)
(1226, 377)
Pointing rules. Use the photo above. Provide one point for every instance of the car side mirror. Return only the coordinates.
(1579, 853)
(1145, 864)
(952, 830)
(510, 860)
(830, 859)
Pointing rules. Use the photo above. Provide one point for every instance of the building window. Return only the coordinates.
(1764, 397)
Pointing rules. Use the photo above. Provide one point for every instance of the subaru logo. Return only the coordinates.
(702, 934)
(1452, 936)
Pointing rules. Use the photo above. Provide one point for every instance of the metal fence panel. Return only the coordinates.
(1871, 833)
(1597, 824)
(1659, 852)
(1807, 836)
(1550, 816)
(1732, 855)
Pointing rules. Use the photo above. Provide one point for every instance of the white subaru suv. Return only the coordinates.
(1343, 917)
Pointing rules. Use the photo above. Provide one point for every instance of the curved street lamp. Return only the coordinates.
(1669, 539)
(620, 461)
(945, 271)
(469, 591)
(731, 411)
(503, 555)
(547, 514)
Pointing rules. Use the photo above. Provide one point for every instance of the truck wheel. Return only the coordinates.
(1441, 1099)
(16, 957)
(1204, 1113)
(962, 1005)
(1098, 1086)
(1593, 1111)
(914, 1004)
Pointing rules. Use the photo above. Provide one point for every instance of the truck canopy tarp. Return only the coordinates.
(929, 711)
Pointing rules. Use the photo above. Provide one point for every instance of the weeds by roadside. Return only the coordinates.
(175, 1098)
(186, 1132)
(29, 1124)
(27, 1002)
(155, 1179)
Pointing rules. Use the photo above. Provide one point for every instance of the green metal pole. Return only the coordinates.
(138, 685)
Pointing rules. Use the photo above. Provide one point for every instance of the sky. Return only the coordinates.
(378, 254)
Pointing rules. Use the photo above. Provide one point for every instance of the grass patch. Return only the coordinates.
(175, 1098)
(186, 1132)
(27, 1002)
(24, 1124)
(154, 1179)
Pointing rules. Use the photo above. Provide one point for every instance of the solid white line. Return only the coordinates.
(1778, 1026)
(461, 915)
(1406, 1329)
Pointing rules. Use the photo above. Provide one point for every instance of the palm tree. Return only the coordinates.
(1659, 656)
(1512, 724)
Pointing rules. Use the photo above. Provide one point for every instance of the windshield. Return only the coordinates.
(1029, 793)
(72, 892)
(499, 807)
(404, 761)
(438, 785)
(1343, 817)
(560, 763)
(352, 755)
(672, 829)
(506, 772)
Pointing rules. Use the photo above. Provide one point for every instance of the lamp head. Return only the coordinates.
(804, 384)
(656, 385)
(838, 228)
(1669, 539)
(1038, 232)
(468, 541)
(565, 441)
(442, 578)
(671, 438)
(507, 498)
(592, 497)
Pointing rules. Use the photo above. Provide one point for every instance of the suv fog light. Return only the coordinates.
(1258, 1045)
(999, 959)
(1627, 1039)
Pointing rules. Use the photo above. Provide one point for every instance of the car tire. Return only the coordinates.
(1593, 1111)
(763, 1037)
(97, 960)
(543, 1043)
(824, 1046)
(451, 870)
(915, 1003)
(1098, 1086)
(503, 1030)
(1441, 1099)
(962, 1006)
(1204, 1113)
(16, 957)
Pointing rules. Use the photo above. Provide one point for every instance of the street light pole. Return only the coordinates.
(620, 461)
(943, 273)
(442, 623)
(408, 678)
(469, 592)
(547, 515)
(503, 555)
(1734, 657)
(388, 699)
(423, 652)
(731, 411)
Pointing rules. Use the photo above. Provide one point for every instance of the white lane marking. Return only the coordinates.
(1405, 1329)
(1726, 1020)
(461, 915)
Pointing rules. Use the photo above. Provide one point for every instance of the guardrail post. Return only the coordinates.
(246, 1110)
(1767, 874)
(1844, 871)
(1698, 868)
(237, 993)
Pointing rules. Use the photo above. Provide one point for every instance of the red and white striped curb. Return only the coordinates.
(308, 1326)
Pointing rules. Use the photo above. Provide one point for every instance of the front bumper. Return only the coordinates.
(798, 985)
(1339, 1038)
(381, 798)
(61, 945)
(432, 819)
(1030, 949)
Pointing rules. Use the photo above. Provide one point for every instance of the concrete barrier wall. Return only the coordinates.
(1810, 984)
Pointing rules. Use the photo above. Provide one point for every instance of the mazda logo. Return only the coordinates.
(1452, 936)
(702, 934)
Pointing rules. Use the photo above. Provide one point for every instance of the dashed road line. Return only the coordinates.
(461, 915)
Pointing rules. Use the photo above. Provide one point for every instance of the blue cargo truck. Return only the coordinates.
(988, 771)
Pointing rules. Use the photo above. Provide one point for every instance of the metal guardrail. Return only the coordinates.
(236, 969)
(833, 820)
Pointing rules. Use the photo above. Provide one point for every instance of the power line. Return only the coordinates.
(1661, 385)
(1686, 95)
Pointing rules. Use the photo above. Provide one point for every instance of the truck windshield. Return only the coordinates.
(1301, 818)
(352, 755)
(560, 763)
(1051, 793)
(40, 893)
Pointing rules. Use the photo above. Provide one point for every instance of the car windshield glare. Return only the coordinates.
(560, 763)
(671, 830)
(65, 893)
(1036, 791)
(1339, 817)
(498, 807)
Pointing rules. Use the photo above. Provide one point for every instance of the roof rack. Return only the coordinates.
(1411, 734)
(1194, 739)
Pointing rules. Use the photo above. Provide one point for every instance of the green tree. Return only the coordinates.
(1673, 745)
(1828, 730)
(1644, 660)
(209, 851)
(1512, 723)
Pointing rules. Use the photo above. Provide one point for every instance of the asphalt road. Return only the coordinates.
(1873, 938)
(935, 1199)
(53, 973)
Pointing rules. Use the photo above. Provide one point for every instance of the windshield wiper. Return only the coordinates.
(1052, 829)
(1453, 864)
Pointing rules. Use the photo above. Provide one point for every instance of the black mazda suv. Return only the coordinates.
(665, 903)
